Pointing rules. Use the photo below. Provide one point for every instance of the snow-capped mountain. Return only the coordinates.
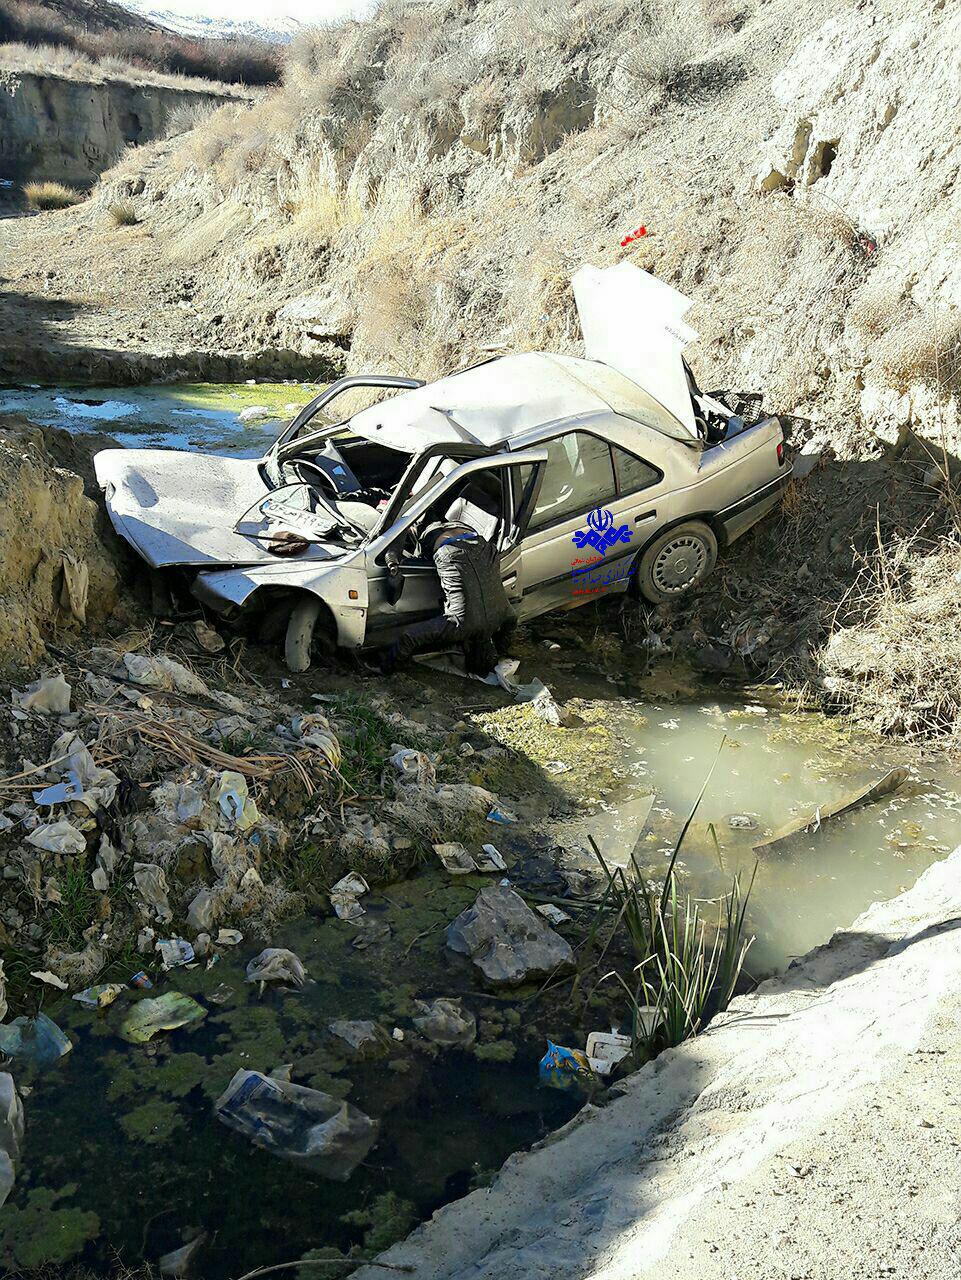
(278, 30)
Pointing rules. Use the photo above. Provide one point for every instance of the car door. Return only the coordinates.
(419, 596)
(596, 505)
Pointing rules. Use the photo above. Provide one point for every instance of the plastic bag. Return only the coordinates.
(297, 1123)
(152, 885)
(232, 796)
(277, 964)
(160, 1013)
(51, 695)
(174, 952)
(344, 895)
(98, 997)
(58, 837)
(562, 1068)
(38, 1040)
(412, 766)
(445, 1022)
(11, 1133)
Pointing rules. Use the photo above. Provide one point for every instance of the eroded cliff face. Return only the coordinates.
(53, 127)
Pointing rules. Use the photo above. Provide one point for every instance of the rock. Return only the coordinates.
(507, 941)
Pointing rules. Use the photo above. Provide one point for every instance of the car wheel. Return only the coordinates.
(300, 633)
(676, 562)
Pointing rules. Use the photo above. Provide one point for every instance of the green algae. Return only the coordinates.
(387, 1218)
(153, 1123)
(41, 1232)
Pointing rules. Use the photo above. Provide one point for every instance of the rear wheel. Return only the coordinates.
(676, 562)
(300, 633)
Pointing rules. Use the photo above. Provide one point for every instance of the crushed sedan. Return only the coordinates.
(592, 476)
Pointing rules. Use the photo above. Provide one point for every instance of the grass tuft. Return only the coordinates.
(123, 213)
(50, 195)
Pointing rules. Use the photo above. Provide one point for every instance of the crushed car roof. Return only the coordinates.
(498, 401)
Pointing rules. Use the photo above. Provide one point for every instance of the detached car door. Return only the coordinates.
(596, 505)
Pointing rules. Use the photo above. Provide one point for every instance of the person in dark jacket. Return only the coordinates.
(477, 613)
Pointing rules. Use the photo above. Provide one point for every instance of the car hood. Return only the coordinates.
(181, 508)
(633, 322)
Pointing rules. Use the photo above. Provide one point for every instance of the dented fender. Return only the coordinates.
(232, 590)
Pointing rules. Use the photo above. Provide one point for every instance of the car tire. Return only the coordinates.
(676, 561)
(300, 633)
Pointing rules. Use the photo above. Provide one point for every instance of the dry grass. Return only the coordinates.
(123, 213)
(50, 195)
(897, 664)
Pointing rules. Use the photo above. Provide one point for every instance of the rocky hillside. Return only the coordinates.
(424, 184)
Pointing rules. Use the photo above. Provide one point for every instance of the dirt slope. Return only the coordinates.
(812, 1132)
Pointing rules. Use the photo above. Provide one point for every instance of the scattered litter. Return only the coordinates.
(98, 997)
(490, 859)
(145, 939)
(51, 695)
(605, 1050)
(229, 937)
(107, 856)
(160, 1013)
(397, 1034)
(344, 895)
(176, 1264)
(297, 1123)
(207, 637)
(359, 1034)
(891, 781)
(141, 981)
(742, 822)
(368, 934)
(412, 766)
(161, 672)
(277, 964)
(506, 940)
(203, 910)
(11, 1133)
(455, 858)
(554, 914)
(58, 837)
(152, 885)
(174, 952)
(444, 1022)
(232, 796)
(543, 704)
(51, 979)
(221, 994)
(501, 816)
(59, 792)
(557, 766)
(562, 1068)
(38, 1040)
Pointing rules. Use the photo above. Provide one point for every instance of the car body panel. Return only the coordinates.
(502, 445)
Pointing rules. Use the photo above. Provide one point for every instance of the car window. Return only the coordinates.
(633, 473)
(578, 477)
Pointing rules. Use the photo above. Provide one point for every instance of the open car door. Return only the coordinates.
(493, 494)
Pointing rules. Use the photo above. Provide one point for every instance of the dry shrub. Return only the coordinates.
(187, 116)
(50, 195)
(923, 347)
(897, 664)
(123, 213)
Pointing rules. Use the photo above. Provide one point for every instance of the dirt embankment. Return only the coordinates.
(68, 130)
(58, 575)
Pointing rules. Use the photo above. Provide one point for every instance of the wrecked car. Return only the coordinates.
(598, 475)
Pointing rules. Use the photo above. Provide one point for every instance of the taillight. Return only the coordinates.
(780, 453)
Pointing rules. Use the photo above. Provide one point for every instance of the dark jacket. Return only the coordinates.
(474, 595)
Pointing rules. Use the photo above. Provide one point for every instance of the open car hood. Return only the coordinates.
(181, 508)
(634, 323)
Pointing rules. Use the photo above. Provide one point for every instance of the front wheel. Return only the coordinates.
(300, 633)
(676, 562)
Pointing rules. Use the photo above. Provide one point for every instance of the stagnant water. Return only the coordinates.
(168, 415)
(125, 1136)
